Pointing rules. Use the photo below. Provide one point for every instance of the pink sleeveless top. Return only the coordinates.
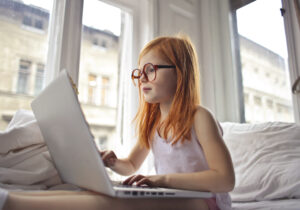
(183, 158)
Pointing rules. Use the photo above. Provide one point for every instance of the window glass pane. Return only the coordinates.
(99, 70)
(24, 45)
(263, 50)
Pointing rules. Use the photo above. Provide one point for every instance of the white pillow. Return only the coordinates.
(266, 159)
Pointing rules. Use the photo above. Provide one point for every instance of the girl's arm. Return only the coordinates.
(126, 166)
(220, 175)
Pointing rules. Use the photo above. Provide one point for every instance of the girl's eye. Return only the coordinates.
(150, 70)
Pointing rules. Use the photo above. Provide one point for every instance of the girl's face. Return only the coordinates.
(163, 88)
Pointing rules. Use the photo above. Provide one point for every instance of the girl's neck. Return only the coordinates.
(164, 110)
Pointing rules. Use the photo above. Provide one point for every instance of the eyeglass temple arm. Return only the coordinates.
(165, 66)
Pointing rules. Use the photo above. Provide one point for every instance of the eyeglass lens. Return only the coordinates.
(150, 71)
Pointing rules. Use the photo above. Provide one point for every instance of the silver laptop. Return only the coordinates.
(72, 147)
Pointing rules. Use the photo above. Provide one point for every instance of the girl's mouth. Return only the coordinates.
(146, 89)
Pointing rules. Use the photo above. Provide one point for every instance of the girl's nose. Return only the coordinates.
(143, 78)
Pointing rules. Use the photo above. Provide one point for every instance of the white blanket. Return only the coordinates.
(25, 162)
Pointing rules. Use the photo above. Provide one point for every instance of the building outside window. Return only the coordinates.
(263, 53)
(23, 54)
(24, 76)
(99, 67)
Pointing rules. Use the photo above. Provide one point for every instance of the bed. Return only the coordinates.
(266, 159)
(280, 204)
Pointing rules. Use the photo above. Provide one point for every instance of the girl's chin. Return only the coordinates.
(150, 100)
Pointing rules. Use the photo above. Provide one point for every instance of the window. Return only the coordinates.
(92, 88)
(95, 42)
(99, 69)
(104, 44)
(33, 21)
(263, 46)
(23, 76)
(38, 24)
(23, 54)
(257, 100)
(279, 108)
(39, 78)
(27, 21)
(270, 104)
(104, 90)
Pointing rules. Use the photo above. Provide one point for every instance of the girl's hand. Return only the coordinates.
(151, 181)
(109, 158)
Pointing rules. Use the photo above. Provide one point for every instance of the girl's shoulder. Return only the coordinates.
(205, 120)
(203, 112)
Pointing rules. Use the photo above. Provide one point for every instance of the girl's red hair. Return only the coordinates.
(178, 51)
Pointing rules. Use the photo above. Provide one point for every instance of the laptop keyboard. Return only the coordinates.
(140, 193)
(119, 184)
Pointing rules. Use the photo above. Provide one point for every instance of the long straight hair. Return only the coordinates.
(178, 51)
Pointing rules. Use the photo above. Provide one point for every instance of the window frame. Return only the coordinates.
(292, 30)
(64, 53)
(292, 45)
(64, 47)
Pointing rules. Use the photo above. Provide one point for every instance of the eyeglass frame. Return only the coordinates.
(156, 67)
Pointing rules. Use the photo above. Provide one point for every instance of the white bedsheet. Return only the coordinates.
(287, 204)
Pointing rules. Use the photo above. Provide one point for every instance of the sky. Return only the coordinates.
(102, 16)
(261, 21)
(96, 14)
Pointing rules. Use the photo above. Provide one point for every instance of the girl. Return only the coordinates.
(184, 137)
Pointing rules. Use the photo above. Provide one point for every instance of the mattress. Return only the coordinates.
(286, 204)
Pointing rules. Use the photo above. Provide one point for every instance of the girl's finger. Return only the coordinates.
(135, 179)
(127, 180)
(144, 181)
(107, 155)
